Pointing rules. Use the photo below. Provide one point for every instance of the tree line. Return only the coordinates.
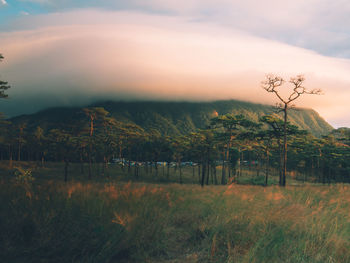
(229, 142)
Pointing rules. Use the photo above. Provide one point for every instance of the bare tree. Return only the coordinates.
(272, 84)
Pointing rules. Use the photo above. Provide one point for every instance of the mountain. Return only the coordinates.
(173, 118)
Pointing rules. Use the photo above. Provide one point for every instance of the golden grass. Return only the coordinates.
(188, 223)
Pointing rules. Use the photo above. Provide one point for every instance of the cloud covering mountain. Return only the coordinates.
(79, 56)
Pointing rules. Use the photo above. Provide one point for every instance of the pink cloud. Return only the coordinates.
(139, 56)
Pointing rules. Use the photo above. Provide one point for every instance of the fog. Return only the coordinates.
(79, 57)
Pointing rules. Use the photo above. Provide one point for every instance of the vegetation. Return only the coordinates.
(271, 85)
(172, 118)
(109, 220)
(230, 142)
(3, 84)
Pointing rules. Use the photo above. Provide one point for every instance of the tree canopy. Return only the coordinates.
(3, 84)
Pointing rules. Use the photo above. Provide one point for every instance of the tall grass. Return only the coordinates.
(46, 220)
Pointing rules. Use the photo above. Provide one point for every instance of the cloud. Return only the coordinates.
(3, 2)
(320, 25)
(81, 56)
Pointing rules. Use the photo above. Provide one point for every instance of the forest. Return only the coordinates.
(231, 142)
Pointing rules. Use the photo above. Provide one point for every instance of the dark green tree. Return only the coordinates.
(280, 131)
(229, 126)
(3, 84)
(94, 114)
(65, 146)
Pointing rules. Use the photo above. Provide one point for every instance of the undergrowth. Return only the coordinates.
(50, 221)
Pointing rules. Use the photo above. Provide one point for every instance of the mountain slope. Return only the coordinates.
(174, 118)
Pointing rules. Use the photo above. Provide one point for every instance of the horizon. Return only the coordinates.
(73, 54)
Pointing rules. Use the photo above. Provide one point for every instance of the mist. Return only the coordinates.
(65, 59)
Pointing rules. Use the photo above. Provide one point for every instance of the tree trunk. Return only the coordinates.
(240, 164)
(199, 173)
(97, 166)
(267, 167)
(42, 159)
(103, 168)
(229, 170)
(90, 160)
(258, 166)
(208, 174)
(66, 163)
(106, 162)
(180, 172)
(156, 168)
(249, 161)
(168, 170)
(280, 162)
(203, 174)
(135, 169)
(215, 178)
(284, 146)
(223, 179)
(10, 157)
(19, 150)
(81, 163)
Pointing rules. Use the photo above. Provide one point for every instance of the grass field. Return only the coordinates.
(109, 219)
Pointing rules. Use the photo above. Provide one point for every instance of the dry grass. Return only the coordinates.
(114, 221)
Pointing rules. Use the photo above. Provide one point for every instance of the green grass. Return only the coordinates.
(110, 220)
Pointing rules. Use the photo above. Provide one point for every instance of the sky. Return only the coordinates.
(68, 53)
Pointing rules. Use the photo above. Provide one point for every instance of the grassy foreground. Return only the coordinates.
(50, 221)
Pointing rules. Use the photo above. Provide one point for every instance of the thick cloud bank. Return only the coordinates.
(77, 57)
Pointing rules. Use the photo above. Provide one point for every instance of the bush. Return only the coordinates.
(23, 175)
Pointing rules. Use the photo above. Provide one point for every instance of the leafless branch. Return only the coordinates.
(299, 89)
(271, 84)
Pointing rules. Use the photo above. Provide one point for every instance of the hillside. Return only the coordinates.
(173, 118)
